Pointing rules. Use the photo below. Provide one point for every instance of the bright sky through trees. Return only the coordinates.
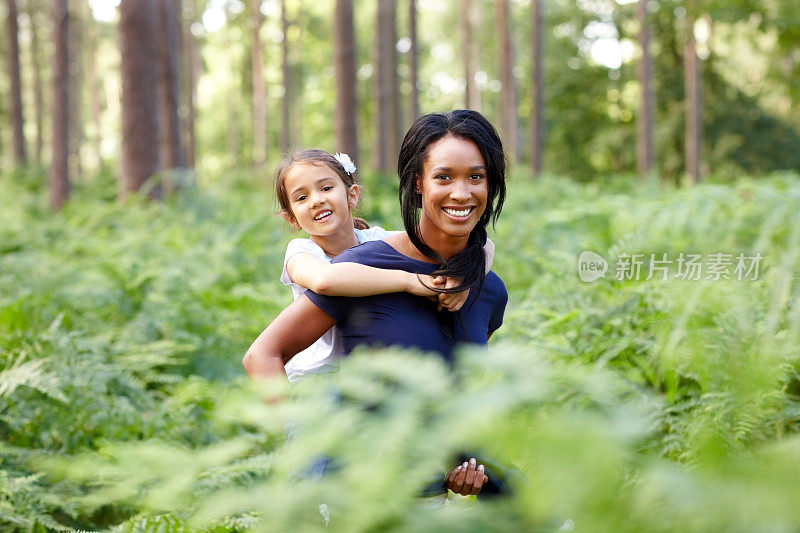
(104, 10)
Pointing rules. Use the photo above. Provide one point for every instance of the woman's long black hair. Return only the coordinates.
(469, 264)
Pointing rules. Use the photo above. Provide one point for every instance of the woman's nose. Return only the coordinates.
(460, 191)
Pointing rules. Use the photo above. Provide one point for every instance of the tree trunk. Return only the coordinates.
(192, 66)
(139, 69)
(644, 137)
(386, 126)
(96, 92)
(38, 91)
(59, 167)
(345, 67)
(469, 52)
(537, 118)
(173, 154)
(76, 130)
(413, 59)
(508, 98)
(286, 121)
(17, 121)
(693, 103)
(259, 89)
(394, 84)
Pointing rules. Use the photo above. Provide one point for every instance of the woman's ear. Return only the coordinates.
(287, 216)
(353, 194)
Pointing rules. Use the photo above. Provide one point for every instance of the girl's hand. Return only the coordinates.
(466, 479)
(417, 286)
(450, 301)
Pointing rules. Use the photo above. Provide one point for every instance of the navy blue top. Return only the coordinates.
(403, 319)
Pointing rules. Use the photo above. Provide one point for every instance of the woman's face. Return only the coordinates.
(454, 186)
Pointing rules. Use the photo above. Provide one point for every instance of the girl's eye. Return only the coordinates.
(442, 177)
(327, 188)
(476, 177)
(300, 198)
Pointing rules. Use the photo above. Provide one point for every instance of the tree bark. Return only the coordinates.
(96, 92)
(17, 121)
(537, 118)
(693, 138)
(259, 89)
(508, 98)
(191, 61)
(59, 167)
(345, 68)
(286, 121)
(139, 68)
(38, 91)
(76, 130)
(644, 137)
(469, 53)
(413, 60)
(173, 154)
(386, 115)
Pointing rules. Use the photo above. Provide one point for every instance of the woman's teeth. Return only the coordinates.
(457, 212)
(323, 215)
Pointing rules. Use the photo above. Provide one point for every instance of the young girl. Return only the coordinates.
(317, 192)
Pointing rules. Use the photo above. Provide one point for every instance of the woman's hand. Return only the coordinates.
(450, 301)
(466, 479)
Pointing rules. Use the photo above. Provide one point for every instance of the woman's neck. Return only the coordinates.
(445, 245)
(337, 243)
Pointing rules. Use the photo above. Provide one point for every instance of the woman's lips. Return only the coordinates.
(459, 213)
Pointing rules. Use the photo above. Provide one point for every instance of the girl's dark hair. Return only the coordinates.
(469, 264)
(314, 157)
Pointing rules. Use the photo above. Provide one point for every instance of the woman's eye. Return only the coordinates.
(327, 188)
(476, 177)
(442, 177)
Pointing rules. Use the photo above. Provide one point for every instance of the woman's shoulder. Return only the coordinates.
(364, 252)
(494, 286)
(382, 254)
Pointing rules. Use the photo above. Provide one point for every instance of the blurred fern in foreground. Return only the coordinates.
(628, 405)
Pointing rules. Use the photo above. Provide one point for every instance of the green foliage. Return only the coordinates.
(617, 405)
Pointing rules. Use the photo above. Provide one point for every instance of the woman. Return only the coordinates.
(452, 184)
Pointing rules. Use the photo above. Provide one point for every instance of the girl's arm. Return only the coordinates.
(294, 329)
(353, 279)
(488, 249)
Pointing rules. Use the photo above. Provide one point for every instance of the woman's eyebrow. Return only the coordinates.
(448, 169)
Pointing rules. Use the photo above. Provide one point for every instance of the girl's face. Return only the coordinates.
(319, 200)
(454, 186)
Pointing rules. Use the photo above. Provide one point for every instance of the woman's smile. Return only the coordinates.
(457, 213)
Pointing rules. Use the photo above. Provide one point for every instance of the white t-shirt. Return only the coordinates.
(322, 356)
